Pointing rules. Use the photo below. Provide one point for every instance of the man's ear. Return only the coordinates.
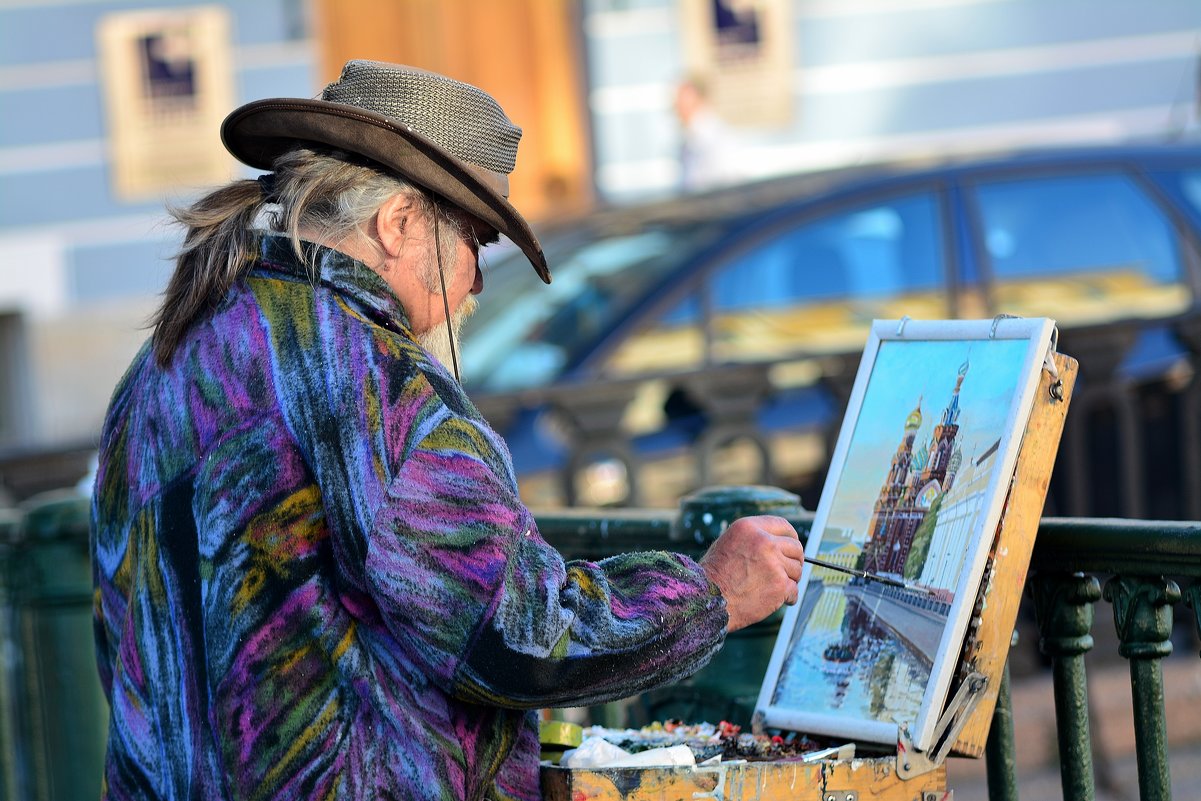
(392, 223)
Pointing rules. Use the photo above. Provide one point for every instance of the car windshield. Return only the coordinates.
(526, 333)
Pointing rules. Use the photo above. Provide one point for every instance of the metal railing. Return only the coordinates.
(1144, 569)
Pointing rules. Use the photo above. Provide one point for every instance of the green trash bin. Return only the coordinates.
(55, 713)
(728, 687)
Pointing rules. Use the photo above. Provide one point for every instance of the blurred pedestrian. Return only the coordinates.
(314, 577)
(708, 146)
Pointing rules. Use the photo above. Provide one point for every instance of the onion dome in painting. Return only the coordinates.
(915, 417)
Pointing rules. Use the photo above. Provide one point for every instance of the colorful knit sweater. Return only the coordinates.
(314, 577)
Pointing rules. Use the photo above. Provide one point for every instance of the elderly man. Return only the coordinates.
(314, 576)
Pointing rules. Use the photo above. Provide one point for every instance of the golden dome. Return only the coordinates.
(914, 422)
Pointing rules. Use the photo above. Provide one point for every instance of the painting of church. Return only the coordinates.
(917, 484)
(917, 480)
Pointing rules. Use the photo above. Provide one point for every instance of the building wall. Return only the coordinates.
(79, 267)
(882, 78)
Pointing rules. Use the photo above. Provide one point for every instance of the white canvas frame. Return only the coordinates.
(1039, 335)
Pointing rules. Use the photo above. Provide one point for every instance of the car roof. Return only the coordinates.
(731, 215)
(790, 192)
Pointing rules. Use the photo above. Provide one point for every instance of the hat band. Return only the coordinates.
(497, 180)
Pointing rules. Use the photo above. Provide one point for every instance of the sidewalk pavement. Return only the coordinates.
(1111, 720)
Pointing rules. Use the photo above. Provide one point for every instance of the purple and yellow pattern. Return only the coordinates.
(314, 578)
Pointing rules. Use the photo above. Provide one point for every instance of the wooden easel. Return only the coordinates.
(909, 775)
(1001, 592)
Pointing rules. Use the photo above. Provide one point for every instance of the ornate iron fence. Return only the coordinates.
(1143, 569)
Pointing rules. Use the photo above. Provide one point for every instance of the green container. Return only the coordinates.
(728, 687)
(725, 689)
(55, 713)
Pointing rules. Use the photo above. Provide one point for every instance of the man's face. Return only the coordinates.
(464, 280)
(473, 236)
(417, 281)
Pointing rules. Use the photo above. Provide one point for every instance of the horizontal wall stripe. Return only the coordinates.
(988, 101)
(1017, 25)
(48, 75)
(994, 63)
(98, 231)
(657, 175)
(51, 115)
(85, 71)
(52, 157)
(1108, 127)
(656, 96)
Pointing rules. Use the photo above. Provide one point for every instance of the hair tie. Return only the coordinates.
(267, 185)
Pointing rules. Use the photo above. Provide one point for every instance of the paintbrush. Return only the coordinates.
(904, 585)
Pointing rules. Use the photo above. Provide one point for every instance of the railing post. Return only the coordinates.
(1143, 613)
(1063, 606)
(1192, 598)
(999, 747)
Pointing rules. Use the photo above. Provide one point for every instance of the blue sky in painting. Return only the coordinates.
(905, 372)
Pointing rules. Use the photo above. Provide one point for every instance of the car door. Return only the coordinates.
(1084, 245)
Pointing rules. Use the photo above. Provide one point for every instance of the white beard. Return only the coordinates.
(437, 340)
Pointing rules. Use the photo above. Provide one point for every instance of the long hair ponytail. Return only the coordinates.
(329, 195)
(220, 244)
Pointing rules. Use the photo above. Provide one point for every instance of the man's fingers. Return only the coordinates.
(793, 595)
(777, 526)
(791, 549)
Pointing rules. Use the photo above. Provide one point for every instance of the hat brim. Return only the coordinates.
(259, 132)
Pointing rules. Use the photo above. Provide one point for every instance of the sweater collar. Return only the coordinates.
(334, 269)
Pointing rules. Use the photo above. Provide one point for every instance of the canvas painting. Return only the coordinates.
(915, 490)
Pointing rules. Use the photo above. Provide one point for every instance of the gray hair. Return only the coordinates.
(332, 194)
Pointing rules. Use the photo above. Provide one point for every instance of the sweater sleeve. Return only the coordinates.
(491, 611)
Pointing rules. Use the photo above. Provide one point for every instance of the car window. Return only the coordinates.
(1190, 183)
(814, 286)
(1079, 248)
(526, 333)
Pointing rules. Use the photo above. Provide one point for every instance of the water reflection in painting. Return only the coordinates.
(853, 665)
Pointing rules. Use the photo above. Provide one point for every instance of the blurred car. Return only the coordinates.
(664, 317)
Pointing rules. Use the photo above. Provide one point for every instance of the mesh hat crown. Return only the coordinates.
(444, 135)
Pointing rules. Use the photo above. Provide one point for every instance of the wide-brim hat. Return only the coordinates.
(444, 135)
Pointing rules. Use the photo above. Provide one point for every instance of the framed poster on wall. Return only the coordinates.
(743, 50)
(168, 83)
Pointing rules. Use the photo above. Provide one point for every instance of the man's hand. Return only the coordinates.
(756, 563)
